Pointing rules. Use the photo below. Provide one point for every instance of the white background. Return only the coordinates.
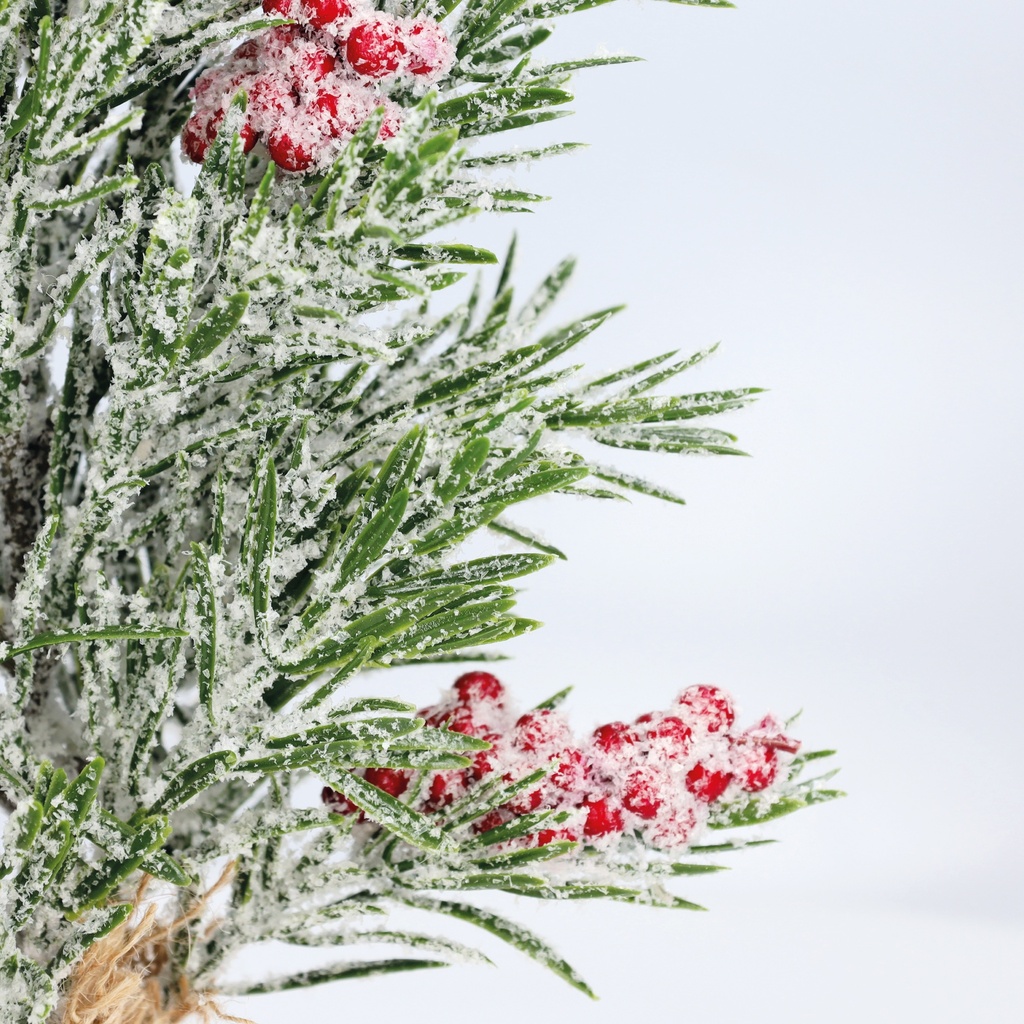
(833, 190)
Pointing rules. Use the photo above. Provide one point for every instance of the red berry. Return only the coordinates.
(640, 794)
(668, 734)
(572, 772)
(602, 818)
(442, 790)
(282, 41)
(270, 99)
(374, 49)
(474, 687)
(549, 835)
(756, 766)
(673, 831)
(524, 803)
(490, 820)
(484, 760)
(539, 729)
(336, 803)
(705, 784)
(282, 8)
(288, 153)
(461, 719)
(429, 50)
(323, 12)
(712, 706)
(195, 140)
(614, 738)
(319, 62)
(391, 125)
(392, 780)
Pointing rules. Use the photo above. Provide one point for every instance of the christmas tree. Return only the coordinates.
(243, 448)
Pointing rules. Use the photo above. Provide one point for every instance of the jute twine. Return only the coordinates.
(121, 979)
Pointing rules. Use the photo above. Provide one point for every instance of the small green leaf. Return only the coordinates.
(205, 771)
(263, 550)
(364, 969)
(509, 932)
(466, 464)
(206, 642)
(554, 701)
(215, 327)
(445, 253)
(81, 792)
(100, 883)
(95, 635)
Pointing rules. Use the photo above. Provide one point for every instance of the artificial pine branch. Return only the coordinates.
(247, 487)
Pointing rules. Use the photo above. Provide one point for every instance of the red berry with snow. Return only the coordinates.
(706, 784)
(374, 48)
(672, 831)
(614, 738)
(289, 151)
(282, 8)
(318, 63)
(550, 835)
(392, 780)
(756, 766)
(709, 706)
(444, 788)
(270, 99)
(525, 802)
(540, 729)
(392, 123)
(320, 13)
(572, 772)
(336, 803)
(493, 819)
(603, 818)
(195, 138)
(473, 687)
(642, 793)
(667, 734)
(430, 53)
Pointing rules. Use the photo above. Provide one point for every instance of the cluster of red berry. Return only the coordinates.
(312, 84)
(657, 778)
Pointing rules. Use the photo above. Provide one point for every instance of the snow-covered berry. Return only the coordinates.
(706, 784)
(709, 707)
(271, 99)
(667, 734)
(392, 123)
(392, 781)
(336, 112)
(674, 830)
(614, 738)
(541, 730)
(603, 817)
(642, 793)
(550, 835)
(473, 687)
(756, 766)
(289, 150)
(429, 52)
(375, 49)
(321, 13)
(282, 8)
(336, 803)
